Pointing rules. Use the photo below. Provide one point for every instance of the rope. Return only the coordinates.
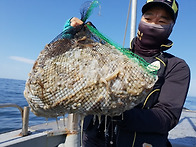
(127, 23)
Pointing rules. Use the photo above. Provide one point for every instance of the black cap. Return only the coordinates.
(170, 5)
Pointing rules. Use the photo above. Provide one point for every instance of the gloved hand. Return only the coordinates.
(70, 27)
(124, 119)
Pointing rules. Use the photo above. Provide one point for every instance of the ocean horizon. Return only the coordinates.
(11, 91)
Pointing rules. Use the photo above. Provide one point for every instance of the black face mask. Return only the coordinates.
(150, 37)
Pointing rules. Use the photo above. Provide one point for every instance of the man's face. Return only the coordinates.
(157, 15)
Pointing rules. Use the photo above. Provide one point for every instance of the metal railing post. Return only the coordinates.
(72, 138)
(24, 114)
(25, 121)
(73, 122)
(133, 19)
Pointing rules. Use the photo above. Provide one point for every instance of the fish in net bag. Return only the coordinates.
(86, 74)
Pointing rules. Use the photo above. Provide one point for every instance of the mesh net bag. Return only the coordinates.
(87, 74)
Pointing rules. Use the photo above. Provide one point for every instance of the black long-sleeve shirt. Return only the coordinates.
(152, 125)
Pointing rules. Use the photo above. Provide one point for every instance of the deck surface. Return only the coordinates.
(184, 134)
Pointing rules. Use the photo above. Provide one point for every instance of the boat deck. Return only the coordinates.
(184, 134)
(51, 134)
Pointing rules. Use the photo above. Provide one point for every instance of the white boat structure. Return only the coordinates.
(66, 133)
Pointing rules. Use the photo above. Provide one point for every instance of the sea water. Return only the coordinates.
(11, 91)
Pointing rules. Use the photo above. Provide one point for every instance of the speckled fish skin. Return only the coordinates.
(85, 77)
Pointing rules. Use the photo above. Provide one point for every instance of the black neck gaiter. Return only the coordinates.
(150, 37)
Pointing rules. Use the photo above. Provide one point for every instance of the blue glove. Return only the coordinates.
(68, 31)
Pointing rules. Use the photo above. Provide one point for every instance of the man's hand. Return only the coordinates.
(75, 22)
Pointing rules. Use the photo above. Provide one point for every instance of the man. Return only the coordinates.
(148, 123)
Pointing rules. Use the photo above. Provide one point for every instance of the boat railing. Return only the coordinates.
(24, 114)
